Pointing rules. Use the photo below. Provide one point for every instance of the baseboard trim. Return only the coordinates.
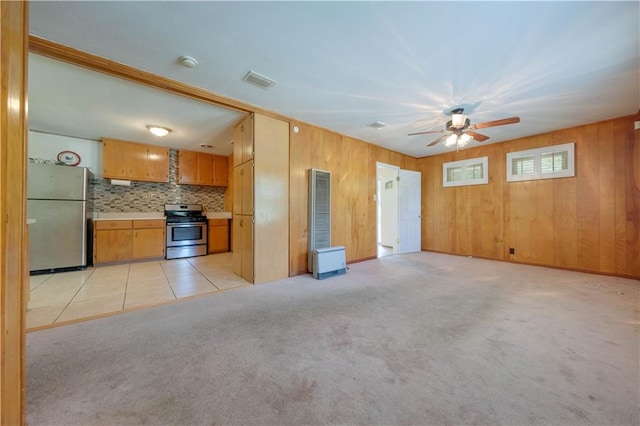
(564, 268)
(364, 259)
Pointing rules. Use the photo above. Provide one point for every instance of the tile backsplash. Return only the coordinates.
(152, 196)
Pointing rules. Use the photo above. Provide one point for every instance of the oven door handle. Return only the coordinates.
(183, 225)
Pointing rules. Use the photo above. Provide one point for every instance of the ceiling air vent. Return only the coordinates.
(259, 80)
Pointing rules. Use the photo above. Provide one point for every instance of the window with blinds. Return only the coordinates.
(541, 163)
(466, 172)
(523, 165)
(553, 162)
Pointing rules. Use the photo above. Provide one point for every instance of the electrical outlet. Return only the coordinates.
(512, 250)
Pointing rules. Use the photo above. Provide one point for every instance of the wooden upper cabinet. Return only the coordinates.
(199, 168)
(243, 141)
(188, 167)
(134, 161)
(220, 170)
(114, 160)
(205, 169)
(157, 164)
(136, 158)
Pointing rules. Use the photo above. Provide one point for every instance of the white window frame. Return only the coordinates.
(537, 153)
(484, 161)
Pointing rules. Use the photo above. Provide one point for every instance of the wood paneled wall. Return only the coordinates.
(352, 164)
(271, 195)
(590, 222)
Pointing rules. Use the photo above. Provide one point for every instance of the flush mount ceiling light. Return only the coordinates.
(158, 130)
(205, 145)
(378, 125)
(188, 61)
(259, 80)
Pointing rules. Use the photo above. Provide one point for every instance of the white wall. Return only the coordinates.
(46, 147)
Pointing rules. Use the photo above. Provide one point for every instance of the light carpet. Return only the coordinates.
(415, 339)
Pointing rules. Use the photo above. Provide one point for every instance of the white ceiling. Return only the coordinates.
(342, 66)
(73, 101)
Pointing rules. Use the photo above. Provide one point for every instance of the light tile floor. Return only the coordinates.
(71, 296)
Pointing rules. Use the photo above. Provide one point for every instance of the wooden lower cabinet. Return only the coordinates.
(218, 235)
(243, 246)
(123, 240)
(148, 243)
(111, 245)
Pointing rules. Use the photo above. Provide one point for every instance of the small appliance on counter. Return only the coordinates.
(186, 230)
(57, 211)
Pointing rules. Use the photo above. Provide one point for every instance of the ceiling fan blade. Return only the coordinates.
(440, 139)
(502, 122)
(424, 133)
(477, 136)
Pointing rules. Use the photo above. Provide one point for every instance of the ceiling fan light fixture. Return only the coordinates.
(463, 139)
(451, 140)
(458, 120)
(158, 130)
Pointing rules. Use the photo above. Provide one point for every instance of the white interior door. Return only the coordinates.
(409, 227)
(387, 209)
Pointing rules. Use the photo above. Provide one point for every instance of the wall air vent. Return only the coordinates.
(259, 80)
(319, 212)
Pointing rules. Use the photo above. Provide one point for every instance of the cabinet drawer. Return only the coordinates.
(112, 224)
(149, 223)
(218, 222)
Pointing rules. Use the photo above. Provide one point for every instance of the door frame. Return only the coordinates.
(14, 263)
(379, 198)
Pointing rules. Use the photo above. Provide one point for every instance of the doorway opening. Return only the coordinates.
(398, 210)
(387, 209)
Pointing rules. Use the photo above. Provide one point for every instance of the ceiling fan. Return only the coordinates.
(459, 130)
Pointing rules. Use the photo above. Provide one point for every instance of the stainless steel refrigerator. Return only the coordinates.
(57, 206)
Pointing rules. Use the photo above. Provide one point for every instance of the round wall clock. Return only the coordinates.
(69, 158)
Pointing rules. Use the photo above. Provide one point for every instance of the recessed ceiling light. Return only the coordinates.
(188, 61)
(259, 80)
(378, 125)
(158, 130)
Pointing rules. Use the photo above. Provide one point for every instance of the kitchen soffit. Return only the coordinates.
(73, 101)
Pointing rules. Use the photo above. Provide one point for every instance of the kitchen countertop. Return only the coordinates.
(150, 215)
(128, 216)
(219, 215)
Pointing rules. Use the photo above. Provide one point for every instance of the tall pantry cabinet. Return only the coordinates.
(261, 199)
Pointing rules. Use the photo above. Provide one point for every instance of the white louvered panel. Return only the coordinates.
(319, 212)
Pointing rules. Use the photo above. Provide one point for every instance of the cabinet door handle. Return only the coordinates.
(241, 220)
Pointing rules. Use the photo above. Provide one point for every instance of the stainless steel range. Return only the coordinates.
(186, 230)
